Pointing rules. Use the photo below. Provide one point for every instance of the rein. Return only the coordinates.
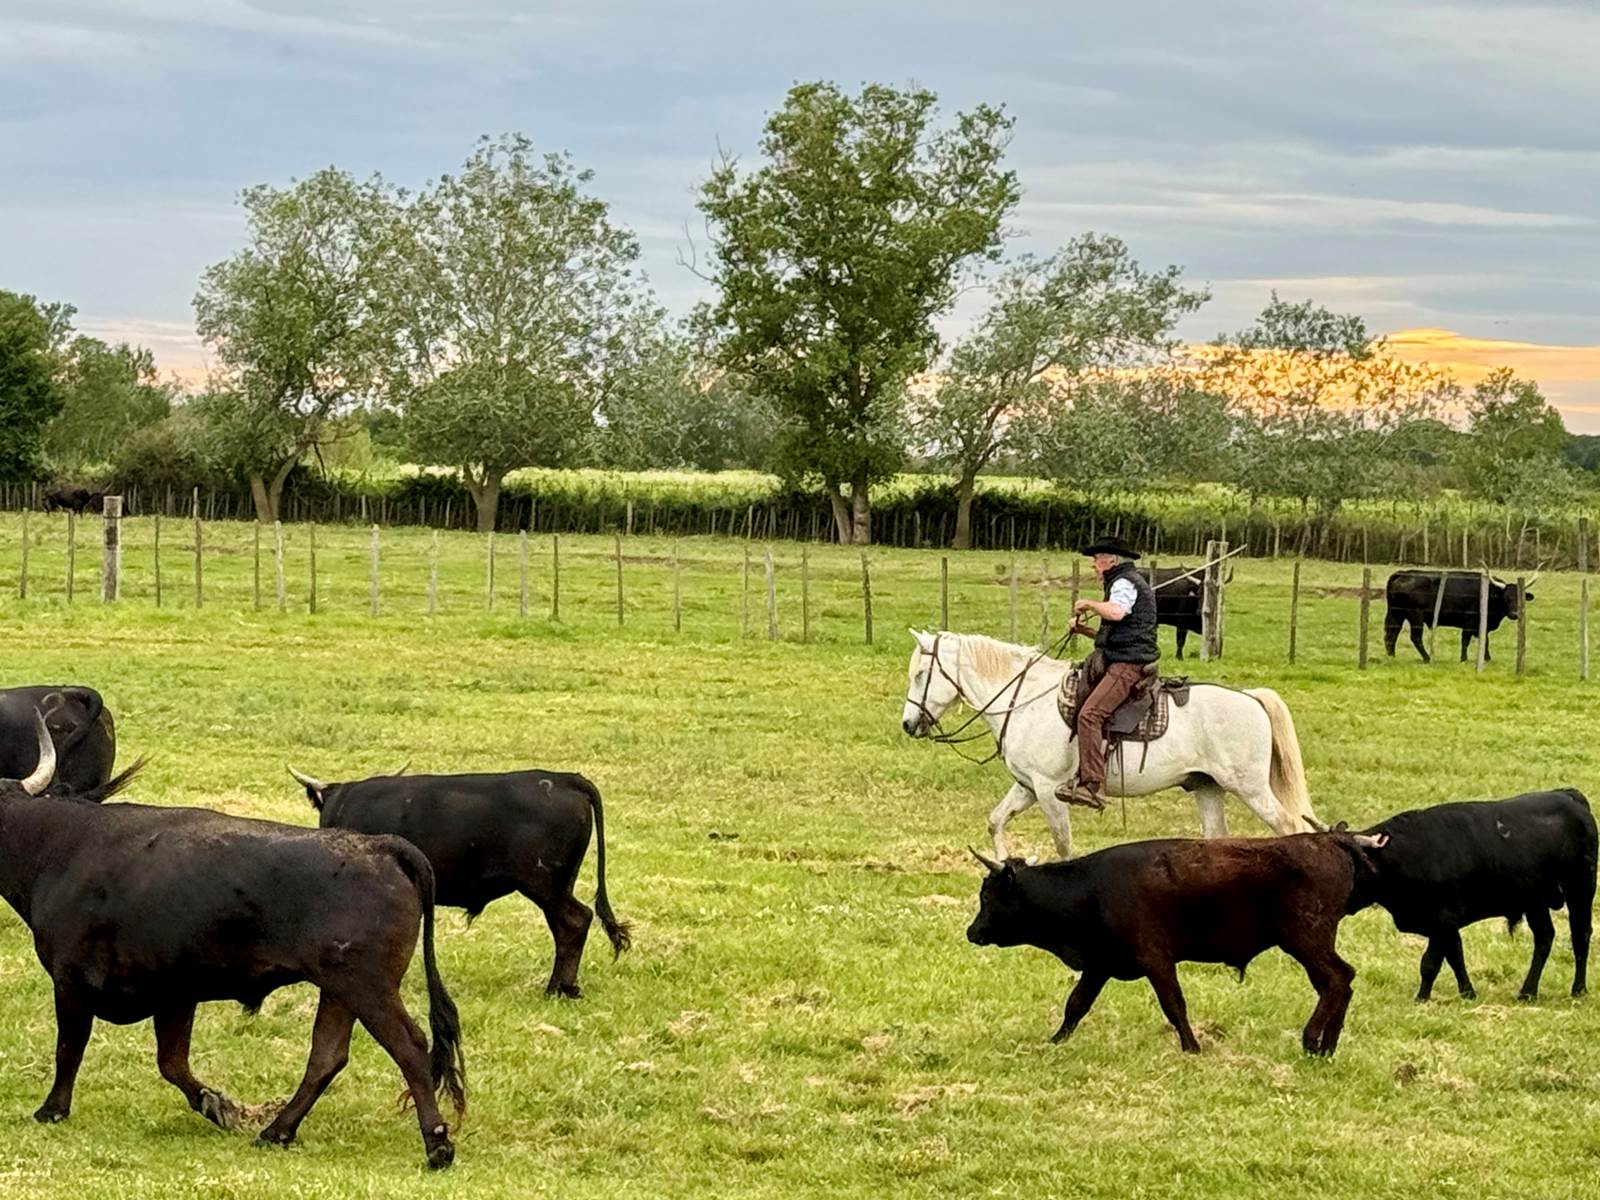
(958, 736)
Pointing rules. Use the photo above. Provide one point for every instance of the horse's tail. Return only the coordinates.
(1287, 774)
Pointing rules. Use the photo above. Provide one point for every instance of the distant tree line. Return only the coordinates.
(497, 319)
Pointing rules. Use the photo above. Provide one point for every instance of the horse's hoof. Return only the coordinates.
(219, 1110)
(274, 1137)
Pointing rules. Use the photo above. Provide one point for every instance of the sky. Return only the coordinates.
(1434, 167)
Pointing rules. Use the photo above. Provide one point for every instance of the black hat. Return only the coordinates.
(1111, 545)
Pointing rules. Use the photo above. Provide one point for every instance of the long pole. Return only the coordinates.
(311, 554)
(72, 551)
(256, 593)
(555, 577)
(1438, 601)
(1013, 597)
(373, 584)
(522, 572)
(677, 591)
(618, 538)
(488, 570)
(772, 598)
(157, 553)
(433, 574)
(22, 577)
(944, 591)
(1583, 628)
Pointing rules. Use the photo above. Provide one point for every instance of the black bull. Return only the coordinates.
(142, 913)
(61, 497)
(81, 728)
(488, 835)
(1178, 599)
(1413, 596)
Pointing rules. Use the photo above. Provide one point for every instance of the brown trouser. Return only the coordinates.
(1114, 687)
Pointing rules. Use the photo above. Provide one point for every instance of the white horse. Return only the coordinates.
(1221, 741)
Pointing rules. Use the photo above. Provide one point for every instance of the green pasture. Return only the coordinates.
(801, 1013)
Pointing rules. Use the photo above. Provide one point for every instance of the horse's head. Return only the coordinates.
(931, 683)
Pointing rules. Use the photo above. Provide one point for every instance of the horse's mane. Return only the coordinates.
(994, 659)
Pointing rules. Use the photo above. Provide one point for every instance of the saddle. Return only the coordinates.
(1142, 717)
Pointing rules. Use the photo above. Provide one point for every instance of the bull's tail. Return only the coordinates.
(90, 699)
(620, 934)
(444, 1022)
(1287, 773)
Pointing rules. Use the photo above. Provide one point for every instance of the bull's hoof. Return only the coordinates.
(441, 1154)
(275, 1137)
(219, 1110)
(567, 991)
(50, 1116)
(1527, 997)
(1469, 993)
(1579, 989)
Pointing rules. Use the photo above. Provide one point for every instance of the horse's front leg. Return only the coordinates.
(1013, 802)
(1056, 816)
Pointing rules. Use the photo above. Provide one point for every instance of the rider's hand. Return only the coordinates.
(1082, 606)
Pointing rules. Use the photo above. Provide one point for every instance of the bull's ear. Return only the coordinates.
(919, 636)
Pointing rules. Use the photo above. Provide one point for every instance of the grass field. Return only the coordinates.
(801, 1014)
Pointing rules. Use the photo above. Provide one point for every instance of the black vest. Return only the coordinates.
(1132, 639)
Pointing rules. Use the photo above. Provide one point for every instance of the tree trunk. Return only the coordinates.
(485, 494)
(841, 515)
(263, 501)
(963, 535)
(860, 509)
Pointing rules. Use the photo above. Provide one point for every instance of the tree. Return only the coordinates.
(1088, 308)
(1123, 432)
(287, 318)
(31, 336)
(109, 392)
(1513, 450)
(1323, 412)
(676, 410)
(832, 261)
(510, 308)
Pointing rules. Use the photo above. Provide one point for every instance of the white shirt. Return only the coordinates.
(1124, 595)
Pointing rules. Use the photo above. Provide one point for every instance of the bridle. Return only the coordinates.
(958, 736)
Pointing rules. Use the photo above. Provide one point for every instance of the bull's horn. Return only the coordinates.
(1319, 826)
(994, 867)
(404, 767)
(36, 783)
(314, 784)
(1372, 841)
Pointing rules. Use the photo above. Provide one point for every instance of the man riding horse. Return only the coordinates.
(1126, 644)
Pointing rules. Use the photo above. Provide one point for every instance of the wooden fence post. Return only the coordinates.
(618, 538)
(1583, 544)
(157, 559)
(866, 595)
(311, 554)
(677, 590)
(433, 573)
(1522, 623)
(805, 594)
(374, 572)
(772, 598)
(1438, 602)
(744, 599)
(1013, 597)
(1294, 609)
(72, 551)
(1211, 604)
(944, 591)
(1583, 628)
(111, 561)
(22, 577)
(522, 572)
(1072, 601)
(198, 548)
(1483, 617)
(1044, 602)
(555, 577)
(488, 571)
(277, 566)
(1366, 607)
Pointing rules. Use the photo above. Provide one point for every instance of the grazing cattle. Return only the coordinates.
(1136, 910)
(1454, 864)
(488, 836)
(142, 913)
(84, 734)
(1413, 595)
(1178, 600)
(62, 497)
